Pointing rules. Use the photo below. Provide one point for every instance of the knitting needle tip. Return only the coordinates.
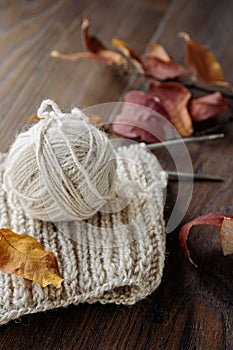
(178, 141)
(173, 175)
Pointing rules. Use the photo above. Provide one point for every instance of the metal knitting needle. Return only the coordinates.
(174, 176)
(153, 146)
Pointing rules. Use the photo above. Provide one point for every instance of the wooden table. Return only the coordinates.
(192, 308)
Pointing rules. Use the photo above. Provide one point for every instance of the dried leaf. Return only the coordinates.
(174, 97)
(135, 121)
(32, 117)
(22, 255)
(92, 43)
(112, 58)
(159, 64)
(126, 49)
(226, 236)
(96, 50)
(105, 56)
(202, 62)
(129, 53)
(158, 51)
(161, 70)
(215, 219)
(207, 106)
(74, 56)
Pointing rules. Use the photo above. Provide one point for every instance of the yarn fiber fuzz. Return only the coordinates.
(119, 273)
(62, 168)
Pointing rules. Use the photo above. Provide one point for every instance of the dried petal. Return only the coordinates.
(202, 62)
(207, 106)
(159, 64)
(24, 256)
(136, 121)
(174, 97)
(215, 219)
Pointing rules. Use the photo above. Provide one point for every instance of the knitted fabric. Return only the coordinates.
(111, 269)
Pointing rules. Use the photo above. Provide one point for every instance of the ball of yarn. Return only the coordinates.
(63, 168)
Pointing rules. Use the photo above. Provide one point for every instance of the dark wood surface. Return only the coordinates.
(192, 308)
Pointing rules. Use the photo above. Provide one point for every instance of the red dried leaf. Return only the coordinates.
(207, 106)
(129, 53)
(140, 98)
(215, 219)
(202, 62)
(174, 97)
(92, 43)
(159, 64)
(158, 51)
(130, 131)
(135, 121)
(162, 70)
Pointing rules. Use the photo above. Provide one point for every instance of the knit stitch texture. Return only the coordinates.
(117, 258)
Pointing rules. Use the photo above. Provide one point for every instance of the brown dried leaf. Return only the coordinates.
(207, 106)
(202, 62)
(92, 43)
(96, 50)
(215, 219)
(174, 97)
(159, 64)
(135, 121)
(129, 53)
(226, 236)
(126, 49)
(22, 255)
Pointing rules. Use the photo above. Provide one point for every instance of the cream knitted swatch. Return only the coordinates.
(113, 267)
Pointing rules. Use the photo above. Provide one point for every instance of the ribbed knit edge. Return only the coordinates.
(121, 274)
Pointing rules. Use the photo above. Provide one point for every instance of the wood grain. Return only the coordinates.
(192, 308)
(30, 31)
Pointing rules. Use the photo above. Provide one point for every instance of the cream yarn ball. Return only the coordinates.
(63, 168)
